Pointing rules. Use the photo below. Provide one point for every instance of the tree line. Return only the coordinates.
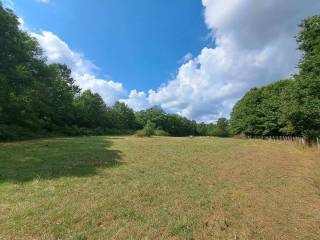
(176, 125)
(287, 107)
(41, 99)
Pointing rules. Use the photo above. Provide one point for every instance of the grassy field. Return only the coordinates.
(158, 188)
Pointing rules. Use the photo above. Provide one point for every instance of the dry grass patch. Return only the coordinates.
(158, 188)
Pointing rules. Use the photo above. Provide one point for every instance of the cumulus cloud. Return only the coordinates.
(137, 100)
(254, 45)
(83, 70)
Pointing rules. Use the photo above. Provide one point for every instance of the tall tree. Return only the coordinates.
(290, 106)
(221, 129)
(122, 116)
(303, 111)
(91, 111)
(246, 116)
(21, 62)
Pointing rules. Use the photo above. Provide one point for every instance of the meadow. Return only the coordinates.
(158, 188)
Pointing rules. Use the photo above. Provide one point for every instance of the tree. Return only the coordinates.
(221, 128)
(154, 114)
(37, 97)
(303, 111)
(290, 107)
(308, 40)
(33, 95)
(245, 116)
(123, 117)
(90, 110)
(202, 129)
(21, 62)
(54, 98)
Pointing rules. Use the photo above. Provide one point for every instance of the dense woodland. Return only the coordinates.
(41, 99)
(287, 107)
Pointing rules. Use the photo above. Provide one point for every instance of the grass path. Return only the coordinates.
(158, 188)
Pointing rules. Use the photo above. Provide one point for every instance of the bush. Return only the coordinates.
(112, 131)
(16, 133)
(140, 133)
(149, 129)
(160, 132)
(240, 136)
(13, 132)
(220, 133)
(99, 131)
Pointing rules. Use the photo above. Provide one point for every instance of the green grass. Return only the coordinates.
(158, 188)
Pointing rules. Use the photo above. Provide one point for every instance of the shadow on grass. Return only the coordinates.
(55, 158)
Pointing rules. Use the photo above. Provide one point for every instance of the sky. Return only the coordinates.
(195, 58)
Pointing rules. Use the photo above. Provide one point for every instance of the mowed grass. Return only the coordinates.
(158, 188)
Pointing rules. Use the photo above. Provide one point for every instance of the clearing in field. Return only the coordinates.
(158, 188)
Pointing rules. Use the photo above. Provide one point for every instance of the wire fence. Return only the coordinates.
(299, 140)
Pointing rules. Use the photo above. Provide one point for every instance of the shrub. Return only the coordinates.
(13, 132)
(140, 133)
(160, 132)
(99, 131)
(219, 133)
(149, 129)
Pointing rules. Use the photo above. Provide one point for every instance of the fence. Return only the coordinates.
(299, 140)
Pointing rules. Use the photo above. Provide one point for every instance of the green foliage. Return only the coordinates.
(154, 114)
(303, 111)
(173, 124)
(176, 125)
(43, 99)
(122, 117)
(140, 133)
(12, 132)
(149, 129)
(309, 43)
(290, 107)
(259, 111)
(21, 65)
(90, 110)
(202, 129)
(221, 129)
(244, 116)
(160, 132)
(33, 96)
(39, 99)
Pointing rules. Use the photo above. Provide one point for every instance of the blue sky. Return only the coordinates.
(138, 43)
(195, 58)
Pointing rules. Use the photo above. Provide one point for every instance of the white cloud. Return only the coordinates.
(255, 45)
(137, 100)
(83, 70)
(185, 58)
